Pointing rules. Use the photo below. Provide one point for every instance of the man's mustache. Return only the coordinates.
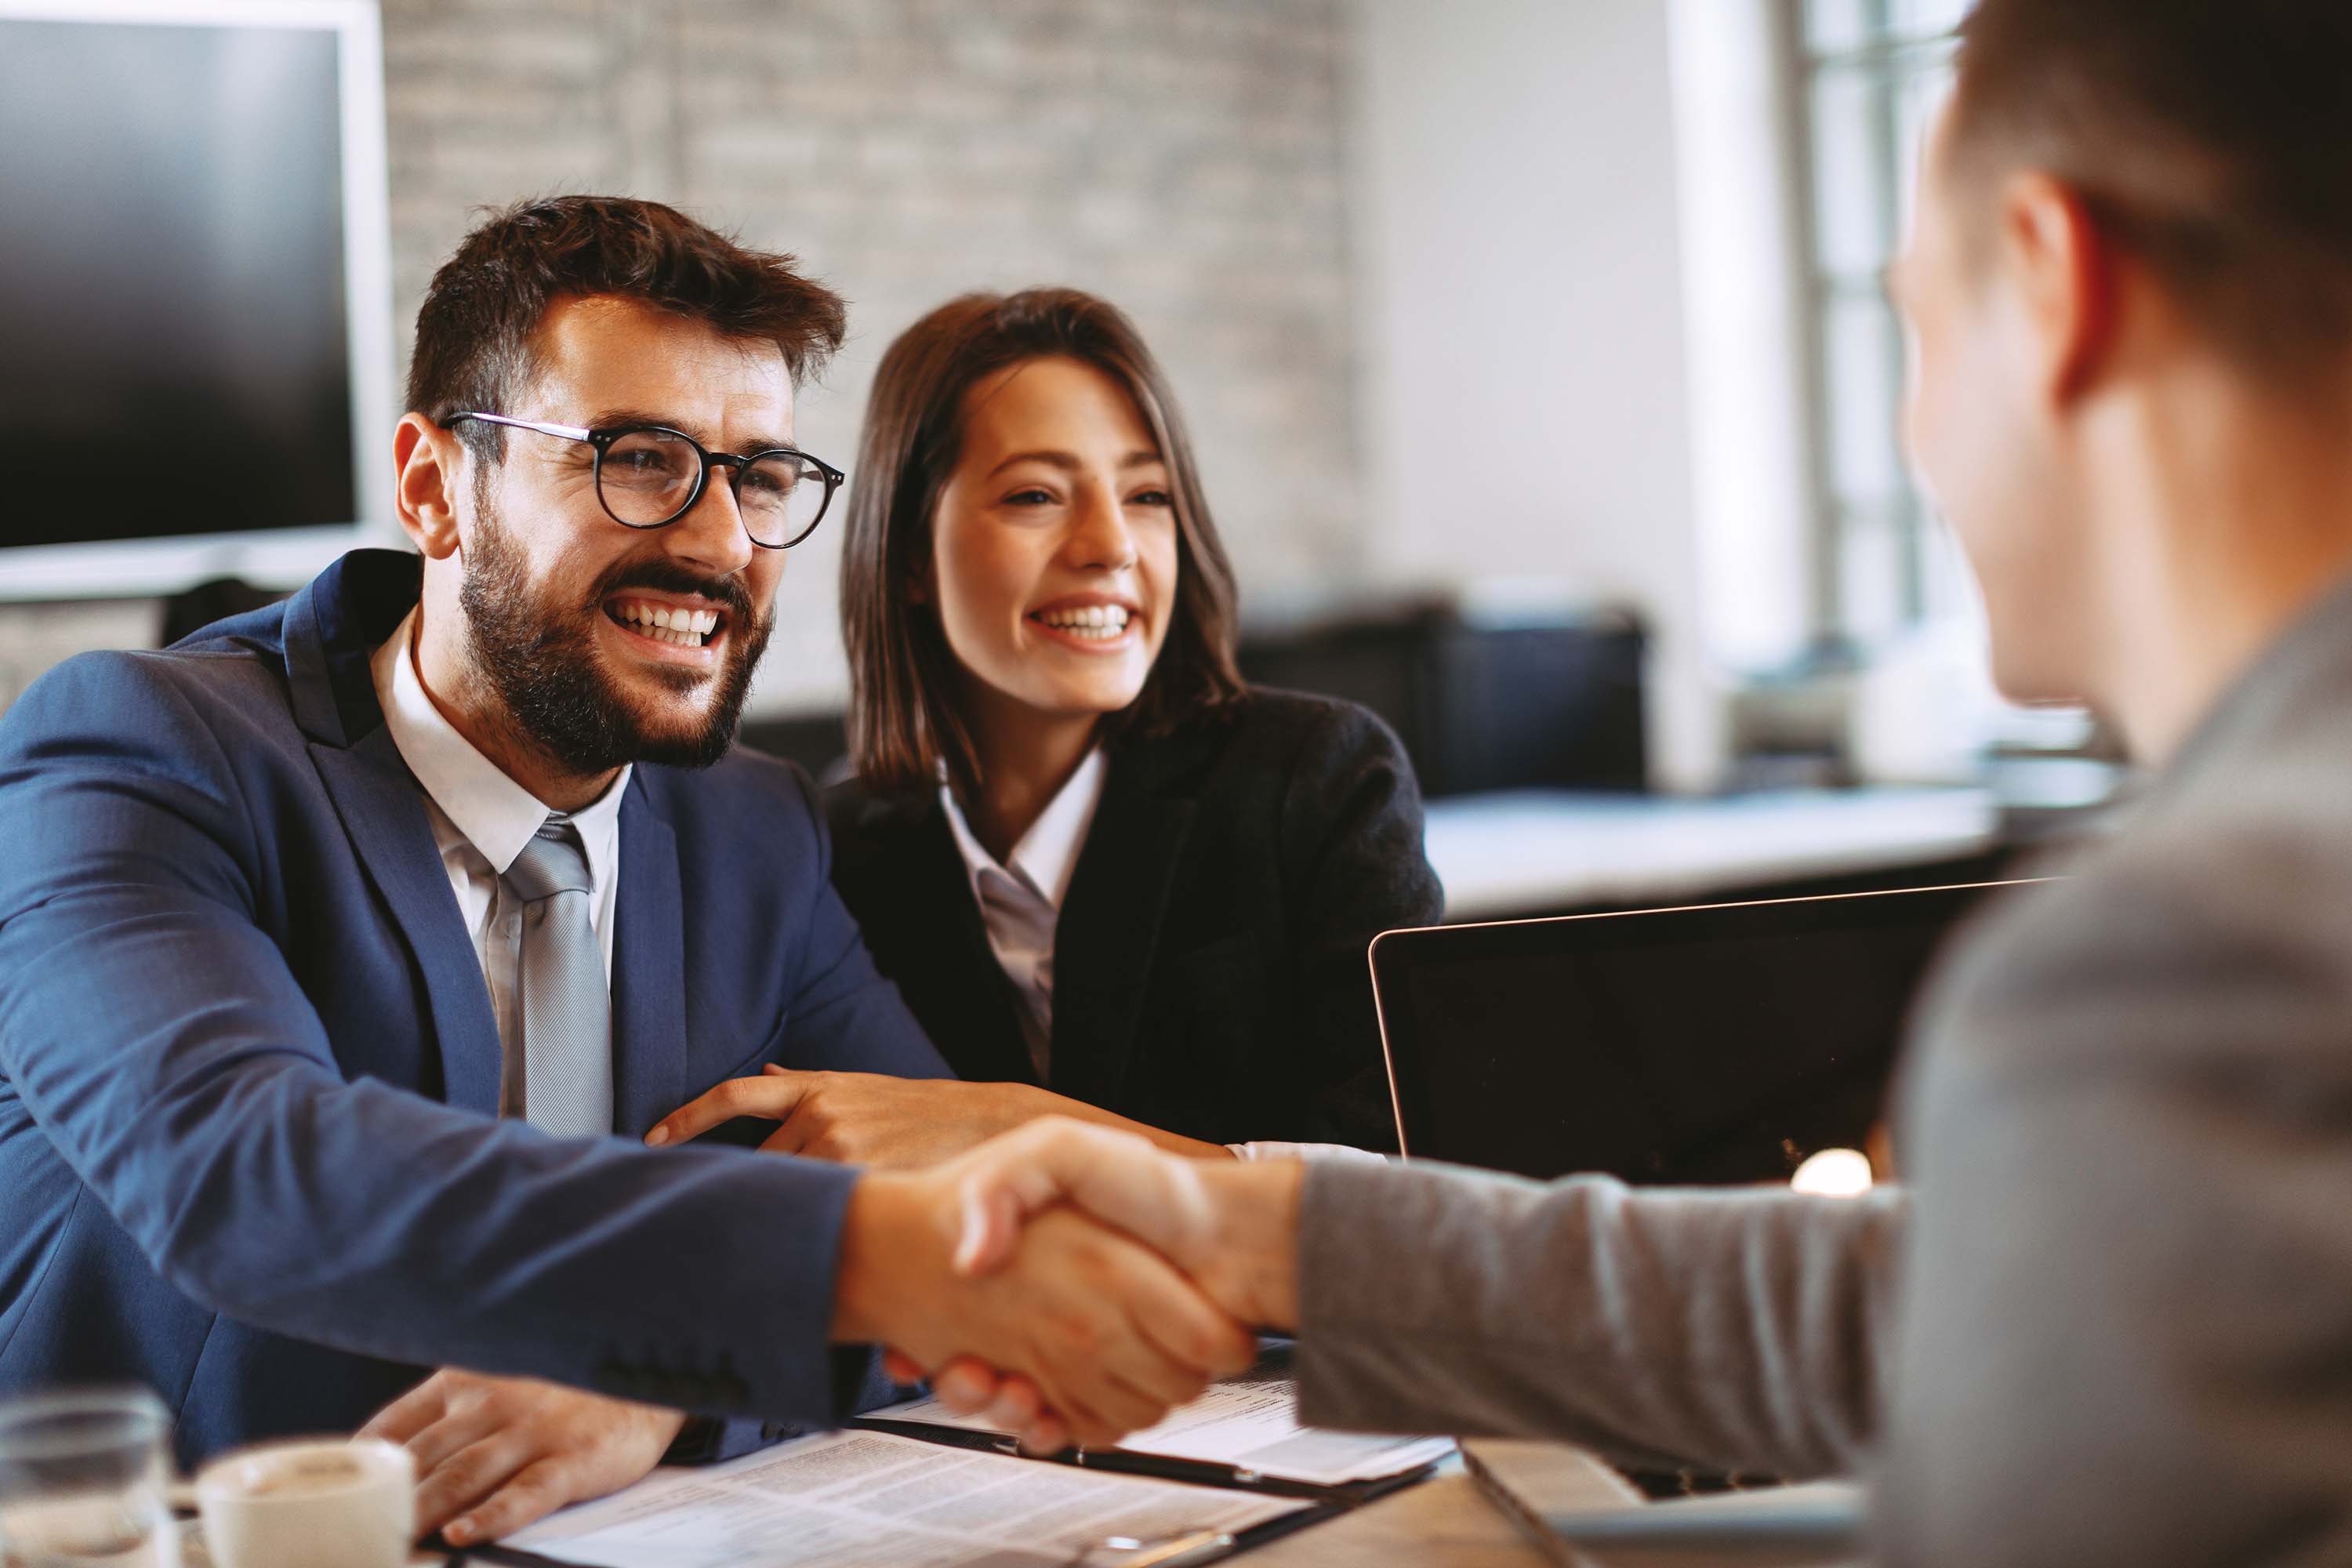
(664, 578)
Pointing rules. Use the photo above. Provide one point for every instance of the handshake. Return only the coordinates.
(1070, 1282)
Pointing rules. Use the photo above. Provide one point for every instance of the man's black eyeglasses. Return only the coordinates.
(649, 475)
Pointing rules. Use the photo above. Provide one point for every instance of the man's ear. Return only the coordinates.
(431, 465)
(2063, 268)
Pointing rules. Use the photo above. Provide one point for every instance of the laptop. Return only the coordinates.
(1724, 1043)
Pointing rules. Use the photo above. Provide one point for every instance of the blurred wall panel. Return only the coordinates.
(1526, 400)
(1184, 159)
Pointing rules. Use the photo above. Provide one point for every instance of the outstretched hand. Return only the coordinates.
(1230, 1227)
(857, 1118)
(885, 1122)
(1108, 1334)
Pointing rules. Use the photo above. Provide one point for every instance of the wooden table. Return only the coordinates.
(1448, 1520)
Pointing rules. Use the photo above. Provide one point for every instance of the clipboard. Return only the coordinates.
(1277, 1354)
(1176, 1533)
(1340, 1495)
(1176, 1552)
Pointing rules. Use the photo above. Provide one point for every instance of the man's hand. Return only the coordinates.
(890, 1123)
(1232, 1227)
(861, 1119)
(1111, 1335)
(495, 1453)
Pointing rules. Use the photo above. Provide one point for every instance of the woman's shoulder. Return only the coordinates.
(1269, 741)
(1304, 729)
(1324, 786)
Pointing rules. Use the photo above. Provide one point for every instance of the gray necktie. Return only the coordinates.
(567, 1021)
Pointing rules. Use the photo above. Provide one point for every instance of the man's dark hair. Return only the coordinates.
(2209, 137)
(474, 332)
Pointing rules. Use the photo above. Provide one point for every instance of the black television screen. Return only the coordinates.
(174, 356)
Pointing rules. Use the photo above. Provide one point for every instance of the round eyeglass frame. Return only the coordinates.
(603, 440)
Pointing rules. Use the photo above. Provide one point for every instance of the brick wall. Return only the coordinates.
(1184, 160)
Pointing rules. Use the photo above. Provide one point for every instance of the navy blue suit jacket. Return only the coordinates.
(249, 1153)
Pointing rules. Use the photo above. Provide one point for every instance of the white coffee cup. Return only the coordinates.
(310, 1502)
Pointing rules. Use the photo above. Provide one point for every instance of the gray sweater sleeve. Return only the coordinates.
(1738, 1330)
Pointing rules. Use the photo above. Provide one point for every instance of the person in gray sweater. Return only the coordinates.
(2111, 1318)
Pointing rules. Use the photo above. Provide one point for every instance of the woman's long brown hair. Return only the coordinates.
(903, 722)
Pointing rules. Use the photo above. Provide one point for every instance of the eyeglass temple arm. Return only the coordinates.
(568, 432)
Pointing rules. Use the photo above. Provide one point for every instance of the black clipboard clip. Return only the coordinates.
(1158, 1467)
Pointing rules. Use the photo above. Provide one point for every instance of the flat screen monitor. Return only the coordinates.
(194, 330)
(1701, 1046)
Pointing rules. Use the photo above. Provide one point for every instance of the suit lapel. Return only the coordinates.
(382, 811)
(649, 970)
(1109, 928)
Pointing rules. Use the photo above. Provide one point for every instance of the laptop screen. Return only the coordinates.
(1721, 1044)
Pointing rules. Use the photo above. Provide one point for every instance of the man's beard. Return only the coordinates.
(541, 658)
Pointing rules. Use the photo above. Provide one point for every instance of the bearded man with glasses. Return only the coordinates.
(338, 943)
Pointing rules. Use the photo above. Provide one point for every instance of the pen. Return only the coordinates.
(1176, 1552)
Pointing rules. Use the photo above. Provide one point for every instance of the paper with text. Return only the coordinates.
(1250, 1422)
(866, 1500)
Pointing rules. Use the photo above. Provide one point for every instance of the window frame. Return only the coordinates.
(1889, 56)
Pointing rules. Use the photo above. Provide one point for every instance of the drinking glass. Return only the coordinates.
(85, 1478)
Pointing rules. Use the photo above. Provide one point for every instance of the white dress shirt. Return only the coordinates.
(481, 821)
(1020, 906)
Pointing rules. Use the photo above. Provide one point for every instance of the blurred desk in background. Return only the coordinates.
(1529, 853)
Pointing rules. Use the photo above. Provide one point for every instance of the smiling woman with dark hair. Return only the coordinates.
(1110, 879)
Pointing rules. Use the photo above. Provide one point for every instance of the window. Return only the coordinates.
(1873, 73)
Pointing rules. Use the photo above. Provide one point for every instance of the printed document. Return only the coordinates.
(1251, 1423)
(867, 1500)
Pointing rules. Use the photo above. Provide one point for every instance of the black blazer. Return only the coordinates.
(1210, 975)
